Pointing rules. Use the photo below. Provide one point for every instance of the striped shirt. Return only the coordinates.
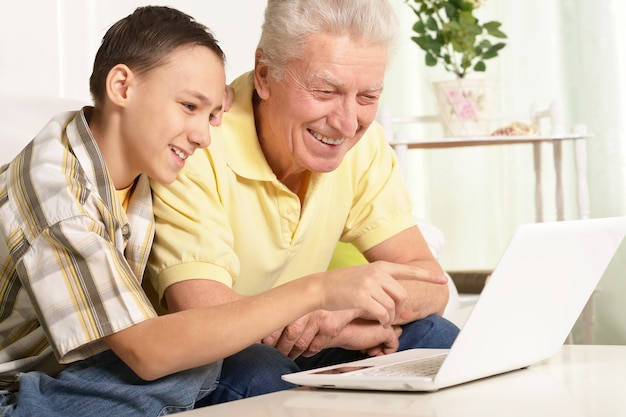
(71, 258)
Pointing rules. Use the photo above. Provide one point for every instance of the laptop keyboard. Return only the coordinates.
(420, 367)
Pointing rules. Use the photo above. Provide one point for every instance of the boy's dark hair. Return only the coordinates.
(143, 40)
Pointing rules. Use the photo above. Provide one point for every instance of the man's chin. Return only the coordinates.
(325, 166)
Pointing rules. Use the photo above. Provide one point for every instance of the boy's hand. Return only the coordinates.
(373, 289)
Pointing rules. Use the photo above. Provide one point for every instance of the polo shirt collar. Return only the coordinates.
(241, 143)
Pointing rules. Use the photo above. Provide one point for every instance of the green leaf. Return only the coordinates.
(427, 43)
(450, 10)
(498, 46)
(466, 19)
(493, 29)
(497, 34)
(485, 44)
(466, 62)
(480, 66)
(490, 54)
(430, 60)
(467, 6)
(493, 51)
(492, 25)
(431, 23)
(419, 28)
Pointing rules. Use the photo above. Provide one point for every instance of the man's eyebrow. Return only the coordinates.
(337, 84)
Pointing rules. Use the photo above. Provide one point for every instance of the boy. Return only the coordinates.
(78, 335)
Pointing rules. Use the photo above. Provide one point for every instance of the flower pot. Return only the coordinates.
(465, 106)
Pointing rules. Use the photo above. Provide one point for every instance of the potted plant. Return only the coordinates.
(450, 35)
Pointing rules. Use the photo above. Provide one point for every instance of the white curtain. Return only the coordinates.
(595, 54)
(573, 51)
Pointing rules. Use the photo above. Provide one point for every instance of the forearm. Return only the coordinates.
(425, 299)
(198, 293)
(152, 348)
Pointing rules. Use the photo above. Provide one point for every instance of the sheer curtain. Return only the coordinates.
(596, 85)
(570, 50)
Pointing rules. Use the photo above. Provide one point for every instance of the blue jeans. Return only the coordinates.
(257, 370)
(104, 386)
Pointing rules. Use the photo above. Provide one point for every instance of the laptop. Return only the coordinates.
(523, 315)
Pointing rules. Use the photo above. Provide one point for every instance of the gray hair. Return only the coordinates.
(289, 23)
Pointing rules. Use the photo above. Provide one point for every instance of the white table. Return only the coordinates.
(580, 381)
(580, 155)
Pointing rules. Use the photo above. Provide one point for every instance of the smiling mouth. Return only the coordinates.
(324, 139)
(182, 155)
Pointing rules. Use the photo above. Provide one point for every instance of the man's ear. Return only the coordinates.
(261, 74)
(118, 83)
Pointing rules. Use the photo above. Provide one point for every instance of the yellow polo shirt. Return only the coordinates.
(227, 218)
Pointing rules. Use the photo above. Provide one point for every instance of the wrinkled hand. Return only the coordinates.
(323, 329)
(309, 334)
(368, 337)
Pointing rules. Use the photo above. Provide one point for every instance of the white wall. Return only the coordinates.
(47, 46)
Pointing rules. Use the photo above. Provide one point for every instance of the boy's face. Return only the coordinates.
(169, 110)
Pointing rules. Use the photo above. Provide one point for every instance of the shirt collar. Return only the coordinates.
(83, 145)
(238, 132)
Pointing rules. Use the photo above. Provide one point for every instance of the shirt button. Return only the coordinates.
(126, 231)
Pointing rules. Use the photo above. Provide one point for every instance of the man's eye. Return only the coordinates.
(369, 98)
(324, 93)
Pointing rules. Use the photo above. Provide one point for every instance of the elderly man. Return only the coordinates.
(298, 165)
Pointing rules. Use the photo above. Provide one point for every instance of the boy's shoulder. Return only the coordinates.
(57, 167)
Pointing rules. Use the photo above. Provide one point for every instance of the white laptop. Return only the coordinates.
(523, 315)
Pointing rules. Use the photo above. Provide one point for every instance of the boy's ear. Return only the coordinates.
(261, 74)
(117, 84)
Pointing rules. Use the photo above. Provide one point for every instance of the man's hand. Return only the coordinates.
(309, 334)
(325, 329)
(369, 337)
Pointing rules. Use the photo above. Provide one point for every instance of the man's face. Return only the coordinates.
(323, 105)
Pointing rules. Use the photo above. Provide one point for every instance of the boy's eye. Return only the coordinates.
(189, 107)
